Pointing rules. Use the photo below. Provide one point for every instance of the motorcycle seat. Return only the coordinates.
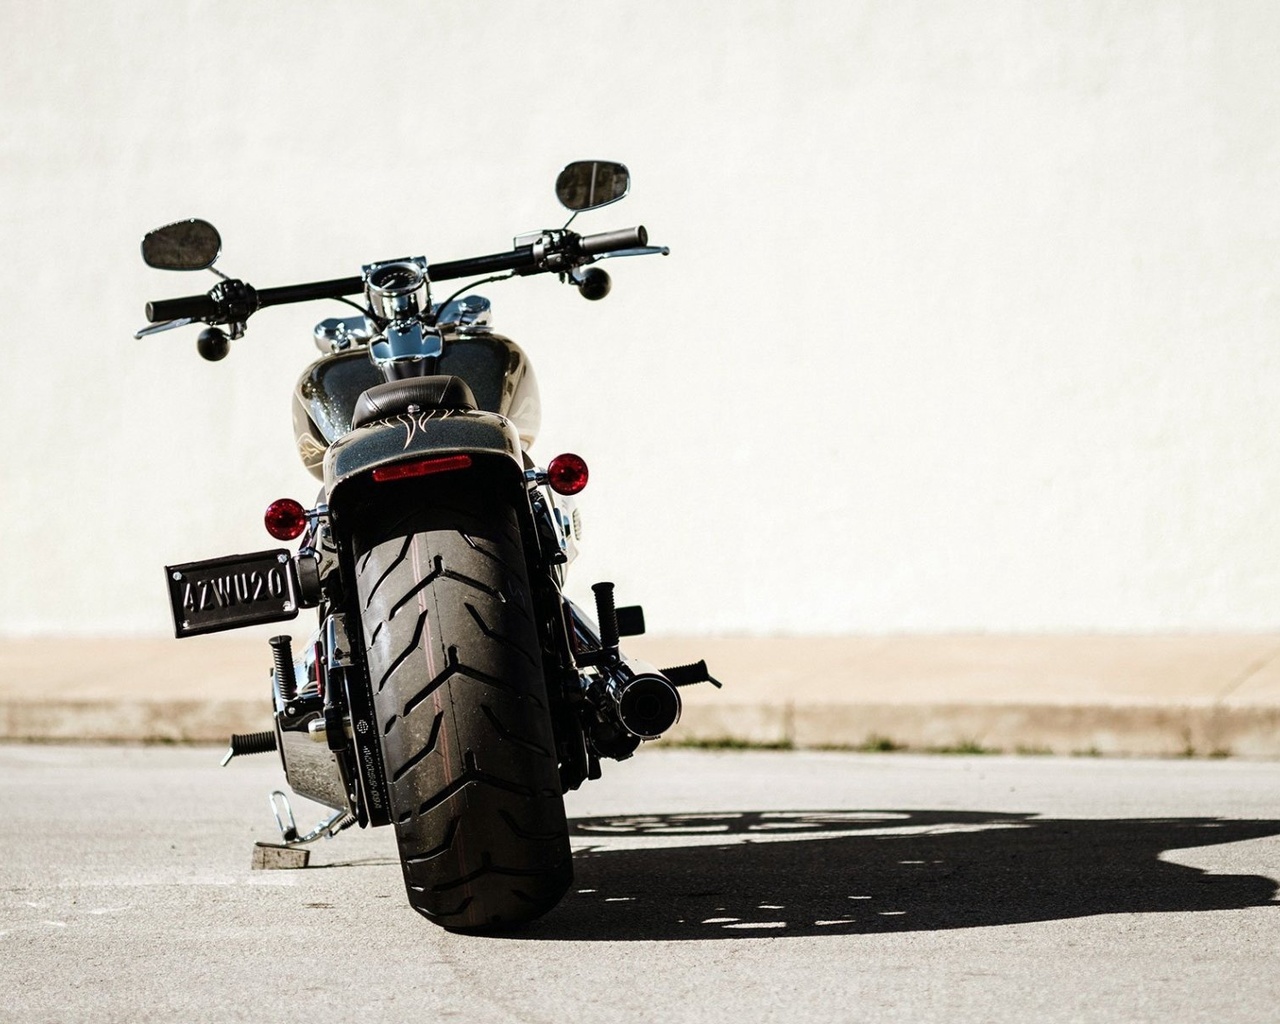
(382, 401)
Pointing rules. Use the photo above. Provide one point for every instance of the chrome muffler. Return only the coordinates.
(630, 702)
(639, 698)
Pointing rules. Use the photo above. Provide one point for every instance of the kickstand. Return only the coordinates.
(289, 853)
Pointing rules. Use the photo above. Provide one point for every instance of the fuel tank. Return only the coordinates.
(495, 367)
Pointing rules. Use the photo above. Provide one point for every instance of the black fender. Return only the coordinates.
(474, 432)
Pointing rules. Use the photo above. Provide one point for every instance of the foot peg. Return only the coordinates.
(282, 663)
(687, 675)
(629, 621)
(249, 743)
(607, 617)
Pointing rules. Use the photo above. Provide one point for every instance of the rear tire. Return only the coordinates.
(461, 705)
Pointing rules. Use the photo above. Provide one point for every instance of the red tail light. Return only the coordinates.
(285, 519)
(567, 473)
(423, 467)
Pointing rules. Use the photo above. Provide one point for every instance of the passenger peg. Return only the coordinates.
(249, 743)
(687, 675)
(607, 616)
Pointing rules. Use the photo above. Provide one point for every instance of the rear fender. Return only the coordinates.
(420, 435)
(489, 440)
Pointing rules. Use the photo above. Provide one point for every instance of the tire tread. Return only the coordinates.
(474, 785)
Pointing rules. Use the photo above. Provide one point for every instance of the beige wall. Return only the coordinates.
(970, 321)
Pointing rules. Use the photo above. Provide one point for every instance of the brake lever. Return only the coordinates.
(647, 250)
(166, 325)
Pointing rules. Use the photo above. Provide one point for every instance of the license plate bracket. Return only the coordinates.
(233, 591)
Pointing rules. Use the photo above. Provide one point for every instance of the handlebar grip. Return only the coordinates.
(608, 241)
(197, 307)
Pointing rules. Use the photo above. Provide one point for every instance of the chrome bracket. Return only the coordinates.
(338, 642)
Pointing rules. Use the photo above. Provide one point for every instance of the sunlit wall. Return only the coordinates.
(970, 321)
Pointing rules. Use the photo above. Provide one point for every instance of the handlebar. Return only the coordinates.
(522, 259)
(306, 292)
(478, 266)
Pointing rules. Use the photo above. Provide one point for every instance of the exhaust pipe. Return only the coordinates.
(632, 700)
(648, 706)
(640, 699)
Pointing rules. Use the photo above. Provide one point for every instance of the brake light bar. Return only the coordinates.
(422, 467)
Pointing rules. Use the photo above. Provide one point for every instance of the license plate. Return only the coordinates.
(230, 592)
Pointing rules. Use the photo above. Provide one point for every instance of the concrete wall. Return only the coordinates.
(970, 321)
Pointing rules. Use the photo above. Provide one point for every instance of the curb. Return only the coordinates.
(989, 728)
(1213, 695)
(942, 728)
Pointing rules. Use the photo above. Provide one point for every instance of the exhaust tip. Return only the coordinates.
(649, 706)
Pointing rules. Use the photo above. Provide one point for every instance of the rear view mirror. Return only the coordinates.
(183, 245)
(590, 184)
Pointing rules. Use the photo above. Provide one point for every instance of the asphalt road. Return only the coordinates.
(709, 887)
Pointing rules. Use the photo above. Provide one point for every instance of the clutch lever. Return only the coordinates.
(164, 325)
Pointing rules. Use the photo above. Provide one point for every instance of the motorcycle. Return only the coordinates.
(450, 690)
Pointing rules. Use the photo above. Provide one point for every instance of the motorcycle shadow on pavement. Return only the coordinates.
(779, 873)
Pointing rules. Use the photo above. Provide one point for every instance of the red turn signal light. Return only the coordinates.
(567, 473)
(423, 467)
(285, 519)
